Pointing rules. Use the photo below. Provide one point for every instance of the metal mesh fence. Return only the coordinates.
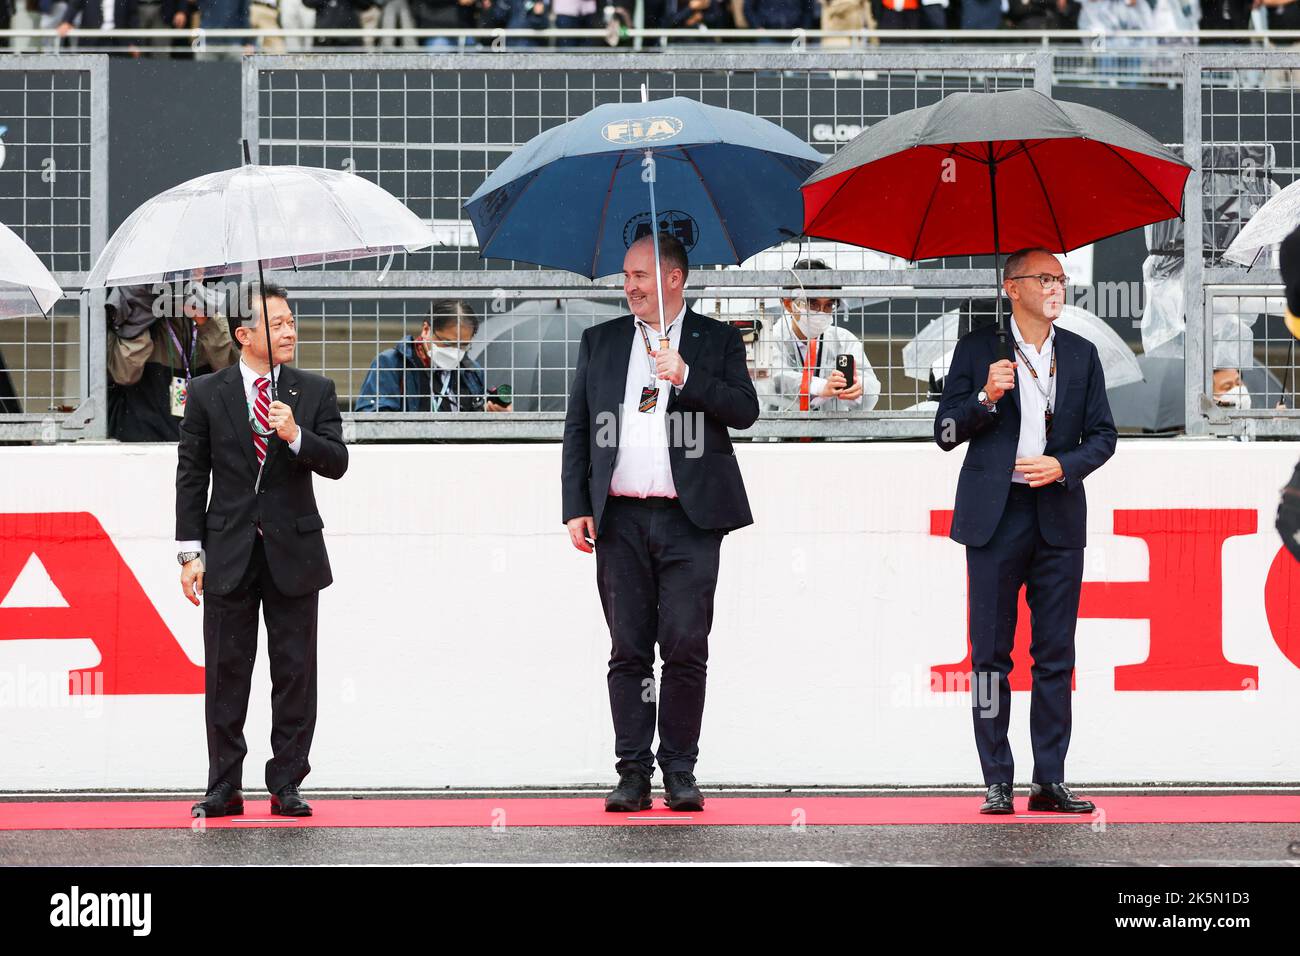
(430, 129)
(1239, 117)
(52, 195)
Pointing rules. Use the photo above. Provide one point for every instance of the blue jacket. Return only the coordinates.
(518, 15)
(399, 382)
(1082, 438)
(783, 14)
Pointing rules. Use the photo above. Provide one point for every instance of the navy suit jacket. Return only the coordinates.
(1082, 438)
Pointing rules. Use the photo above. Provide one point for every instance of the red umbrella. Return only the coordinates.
(922, 184)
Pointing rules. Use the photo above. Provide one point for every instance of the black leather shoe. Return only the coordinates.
(631, 794)
(289, 803)
(681, 793)
(223, 800)
(1057, 798)
(999, 799)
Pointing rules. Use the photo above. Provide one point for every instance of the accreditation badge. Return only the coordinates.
(178, 390)
(649, 399)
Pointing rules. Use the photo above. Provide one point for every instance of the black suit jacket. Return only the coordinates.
(1082, 438)
(217, 441)
(718, 387)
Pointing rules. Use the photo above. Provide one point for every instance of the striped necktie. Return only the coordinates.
(261, 409)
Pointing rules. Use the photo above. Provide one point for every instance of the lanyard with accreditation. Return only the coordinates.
(1045, 392)
(650, 393)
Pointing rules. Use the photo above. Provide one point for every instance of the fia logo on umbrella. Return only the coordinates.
(676, 223)
(651, 129)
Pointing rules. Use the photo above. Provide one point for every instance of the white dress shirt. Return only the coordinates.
(641, 466)
(1033, 426)
(250, 387)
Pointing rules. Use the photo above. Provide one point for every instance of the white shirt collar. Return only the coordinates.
(671, 325)
(250, 377)
(1051, 333)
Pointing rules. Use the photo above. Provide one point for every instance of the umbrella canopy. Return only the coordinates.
(931, 350)
(254, 217)
(25, 284)
(981, 173)
(575, 197)
(272, 217)
(1274, 221)
(1156, 403)
(534, 347)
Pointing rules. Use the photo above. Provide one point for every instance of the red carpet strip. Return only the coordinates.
(589, 811)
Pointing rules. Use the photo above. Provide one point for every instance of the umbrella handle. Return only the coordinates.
(654, 236)
(266, 326)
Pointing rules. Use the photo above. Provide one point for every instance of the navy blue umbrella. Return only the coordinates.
(576, 196)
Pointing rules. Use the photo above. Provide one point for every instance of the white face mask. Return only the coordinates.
(1235, 397)
(443, 356)
(811, 323)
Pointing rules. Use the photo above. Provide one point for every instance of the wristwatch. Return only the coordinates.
(983, 398)
(185, 557)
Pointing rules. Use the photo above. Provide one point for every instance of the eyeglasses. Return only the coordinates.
(819, 305)
(450, 343)
(1046, 280)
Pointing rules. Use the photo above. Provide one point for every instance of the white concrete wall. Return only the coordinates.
(463, 643)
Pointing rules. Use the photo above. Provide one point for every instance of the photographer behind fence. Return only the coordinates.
(160, 336)
(814, 364)
(433, 372)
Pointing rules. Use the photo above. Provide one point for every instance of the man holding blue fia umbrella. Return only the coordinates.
(650, 481)
(651, 484)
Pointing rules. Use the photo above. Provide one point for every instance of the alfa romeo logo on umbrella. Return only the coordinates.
(676, 223)
(650, 129)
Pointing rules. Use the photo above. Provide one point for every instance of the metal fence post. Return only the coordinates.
(1194, 322)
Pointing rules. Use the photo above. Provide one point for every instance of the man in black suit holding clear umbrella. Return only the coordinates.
(257, 542)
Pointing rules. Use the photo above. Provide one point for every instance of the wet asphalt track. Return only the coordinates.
(948, 844)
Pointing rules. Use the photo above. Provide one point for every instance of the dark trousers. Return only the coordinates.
(1018, 556)
(230, 647)
(656, 572)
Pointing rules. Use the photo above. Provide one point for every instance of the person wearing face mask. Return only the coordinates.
(1229, 391)
(431, 372)
(802, 349)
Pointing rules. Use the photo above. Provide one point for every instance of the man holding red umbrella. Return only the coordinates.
(1037, 426)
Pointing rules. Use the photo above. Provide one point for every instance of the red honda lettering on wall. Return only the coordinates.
(1182, 599)
(138, 653)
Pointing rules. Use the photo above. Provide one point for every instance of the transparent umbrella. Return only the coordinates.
(256, 217)
(1274, 221)
(26, 286)
(937, 340)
